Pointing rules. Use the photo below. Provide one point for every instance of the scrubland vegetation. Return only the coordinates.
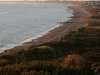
(73, 64)
(77, 53)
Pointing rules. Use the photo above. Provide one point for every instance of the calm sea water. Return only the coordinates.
(22, 22)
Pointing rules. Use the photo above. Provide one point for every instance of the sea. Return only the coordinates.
(22, 22)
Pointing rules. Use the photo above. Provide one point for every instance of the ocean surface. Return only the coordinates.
(22, 22)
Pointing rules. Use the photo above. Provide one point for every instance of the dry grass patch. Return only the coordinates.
(74, 61)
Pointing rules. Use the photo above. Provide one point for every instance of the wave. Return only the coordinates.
(6, 12)
(28, 40)
(42, 34)
(2, 49)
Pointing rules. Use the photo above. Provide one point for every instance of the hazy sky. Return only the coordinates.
(11, 0)
(33, 0)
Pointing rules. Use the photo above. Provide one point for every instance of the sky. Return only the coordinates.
(33, 0)
(11, 0)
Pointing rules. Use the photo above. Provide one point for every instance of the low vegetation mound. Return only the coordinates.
(74, 61)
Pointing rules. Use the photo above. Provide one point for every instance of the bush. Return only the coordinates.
(74, 61)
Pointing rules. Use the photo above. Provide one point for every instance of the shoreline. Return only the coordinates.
(25, 35)
(57, 33)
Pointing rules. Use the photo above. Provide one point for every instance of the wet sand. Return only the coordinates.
(78, 20)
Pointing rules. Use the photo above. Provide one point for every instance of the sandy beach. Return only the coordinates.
(78, 20)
